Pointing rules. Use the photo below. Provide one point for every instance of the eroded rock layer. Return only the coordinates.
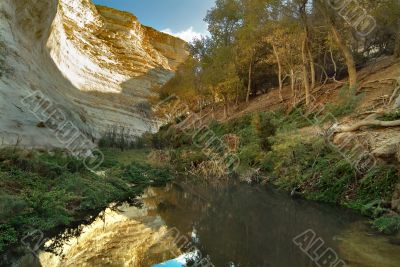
(95, 64)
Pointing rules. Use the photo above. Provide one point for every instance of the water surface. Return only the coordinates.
(235, 225)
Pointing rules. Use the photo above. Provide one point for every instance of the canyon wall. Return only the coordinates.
(94, 65)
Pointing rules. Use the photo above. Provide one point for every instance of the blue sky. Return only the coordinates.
(183, 18)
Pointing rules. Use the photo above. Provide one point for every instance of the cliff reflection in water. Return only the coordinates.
(240, 224)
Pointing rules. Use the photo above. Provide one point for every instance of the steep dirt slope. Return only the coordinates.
(95, 64)
(379, 83)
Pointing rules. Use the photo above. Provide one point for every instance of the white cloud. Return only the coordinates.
(188, 35)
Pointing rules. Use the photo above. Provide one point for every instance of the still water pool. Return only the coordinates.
(226, 225)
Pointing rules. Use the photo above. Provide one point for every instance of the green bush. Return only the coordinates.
(144, 174)
(9, 205)
(378, 184)
(184, 159)
(8, 236)
(392, 116)
(251, 155)
(265, 129)
(348, 100)
(118, 137)
(388, 224)
(296, 119)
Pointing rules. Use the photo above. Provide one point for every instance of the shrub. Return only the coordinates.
(185, 159)
(296, 119)
(378, 184)
(388, 224)
(9, 205)
(8, 236)
(144, 174)
(348, 100)
(264, 128)
(118, 137)
(251, 155)
(391, 116)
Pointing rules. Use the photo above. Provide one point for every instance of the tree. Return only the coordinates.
(223, 21)
(256, 16)
(221, 77)
(284, 41)
(255, 45)
(340, 41)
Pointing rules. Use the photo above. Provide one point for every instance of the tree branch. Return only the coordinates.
(371, 120)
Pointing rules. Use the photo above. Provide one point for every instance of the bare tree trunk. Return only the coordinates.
(306, 75)
(304, 52)
(249, 83)
(397, 103)
(279, 71)
(397, 43)
(237, 95)
(292, 86)
(214, 100)
(312, 68)
(348, 56)
(334, 63)
(200, 107)
(225, 108)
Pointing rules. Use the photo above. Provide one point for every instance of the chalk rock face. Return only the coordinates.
(94, 65)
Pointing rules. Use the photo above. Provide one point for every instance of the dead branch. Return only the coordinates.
(371, 120)
(388, 80)
(394, 95)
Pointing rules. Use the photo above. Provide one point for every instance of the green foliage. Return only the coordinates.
(264, 128)
(243, 128)
(392, 116)
(4, 68)
(184, 159)
(170, 137)
(378, 184)
(144, 174)
(388, 224)
(48, 190)
(8, 236)
(118, 137)
(348, 100)
(373, 209)
(253, 131)
(323, 174)
(279, 122)
(314, 166)
(251, 155)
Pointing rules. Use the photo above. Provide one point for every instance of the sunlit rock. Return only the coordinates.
(95, 64)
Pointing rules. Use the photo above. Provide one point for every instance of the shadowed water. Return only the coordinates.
(255, 226)
(236, 225)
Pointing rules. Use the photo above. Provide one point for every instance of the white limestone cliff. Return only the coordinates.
(95, 64)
